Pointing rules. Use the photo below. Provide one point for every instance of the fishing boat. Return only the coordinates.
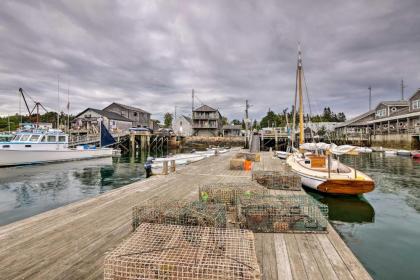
(31, 146)
(320, 170)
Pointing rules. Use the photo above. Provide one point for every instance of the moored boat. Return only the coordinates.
(314, 162)
(405, 153)
(33, 146)
(390, 152)
(415, 154)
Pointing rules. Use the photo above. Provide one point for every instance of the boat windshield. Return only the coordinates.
(24, 137)
(16, 138)
(34, 138)
(61, 138)
(51, 138)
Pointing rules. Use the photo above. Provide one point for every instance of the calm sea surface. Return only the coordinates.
(382, 228)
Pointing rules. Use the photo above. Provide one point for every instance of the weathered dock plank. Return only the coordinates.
(70, 242)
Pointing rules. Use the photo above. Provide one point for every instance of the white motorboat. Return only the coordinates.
(41, 146)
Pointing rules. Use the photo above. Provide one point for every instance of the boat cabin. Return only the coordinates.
(37, 140)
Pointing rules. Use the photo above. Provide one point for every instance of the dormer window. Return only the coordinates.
(393, 109)
(415, 104)
(381, 113)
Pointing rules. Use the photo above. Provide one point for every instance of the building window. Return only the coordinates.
(416, 104)
(135, 114)
(393, 109)
(381, 113)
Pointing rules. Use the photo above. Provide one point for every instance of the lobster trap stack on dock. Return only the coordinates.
(229, 193)
(157, 251)
(285, 213)
(279, 178)
(180, 213)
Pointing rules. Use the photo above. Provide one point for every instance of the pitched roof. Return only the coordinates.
(187, 118)
(355, 119)
(232, 126)
(108, 114)
(204, 108)
(395, 103)
(131, 108)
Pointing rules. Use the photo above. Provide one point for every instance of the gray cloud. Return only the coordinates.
(152, 53)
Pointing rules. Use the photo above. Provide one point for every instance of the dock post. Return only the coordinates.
(165, 168)
(133, 143)
(173, 165)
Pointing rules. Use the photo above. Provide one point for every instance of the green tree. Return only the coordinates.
(225, 121)
(167, 120)
(236, 122)
(272, 119)
(322, 131)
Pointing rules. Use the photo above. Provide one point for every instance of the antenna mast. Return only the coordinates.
(370, 97)
(192, 103)
(402, 89)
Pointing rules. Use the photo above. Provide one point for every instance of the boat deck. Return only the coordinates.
(69, 242)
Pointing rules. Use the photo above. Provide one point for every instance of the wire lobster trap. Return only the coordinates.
(256, 157)
(287, 213)
(229, 193)
(278, 180)
(194, 213)
(157, 251)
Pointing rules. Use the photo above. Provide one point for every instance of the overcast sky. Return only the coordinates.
(151, 54)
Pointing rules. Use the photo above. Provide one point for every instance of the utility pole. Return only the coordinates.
(370, 97)
(192, 103)
(246, 123)
(402, 89)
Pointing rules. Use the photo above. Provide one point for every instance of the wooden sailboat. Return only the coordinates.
(321, 171)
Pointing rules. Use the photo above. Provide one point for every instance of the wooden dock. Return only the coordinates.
(70, 242)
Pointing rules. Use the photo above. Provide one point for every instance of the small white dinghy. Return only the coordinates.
(390, 153)
(282, 154)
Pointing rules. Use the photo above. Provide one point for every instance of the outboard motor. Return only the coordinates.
(148, 166)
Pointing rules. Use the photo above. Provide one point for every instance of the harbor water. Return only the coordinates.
(382, 228)
(29, 190)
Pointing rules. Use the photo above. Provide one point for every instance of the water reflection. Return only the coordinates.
(382, 228)
(29, 190)
(347, 209)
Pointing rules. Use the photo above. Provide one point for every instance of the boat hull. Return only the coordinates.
(19, 157)
(345, 185)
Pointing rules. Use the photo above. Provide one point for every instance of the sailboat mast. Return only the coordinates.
(301, 132)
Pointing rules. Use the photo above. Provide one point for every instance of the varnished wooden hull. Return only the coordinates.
(338, 184)
(346, 187)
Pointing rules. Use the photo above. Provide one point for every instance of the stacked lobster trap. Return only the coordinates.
(187, 213)
(229, 193)
(157, 251)
(288, 213)
(278, 180)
